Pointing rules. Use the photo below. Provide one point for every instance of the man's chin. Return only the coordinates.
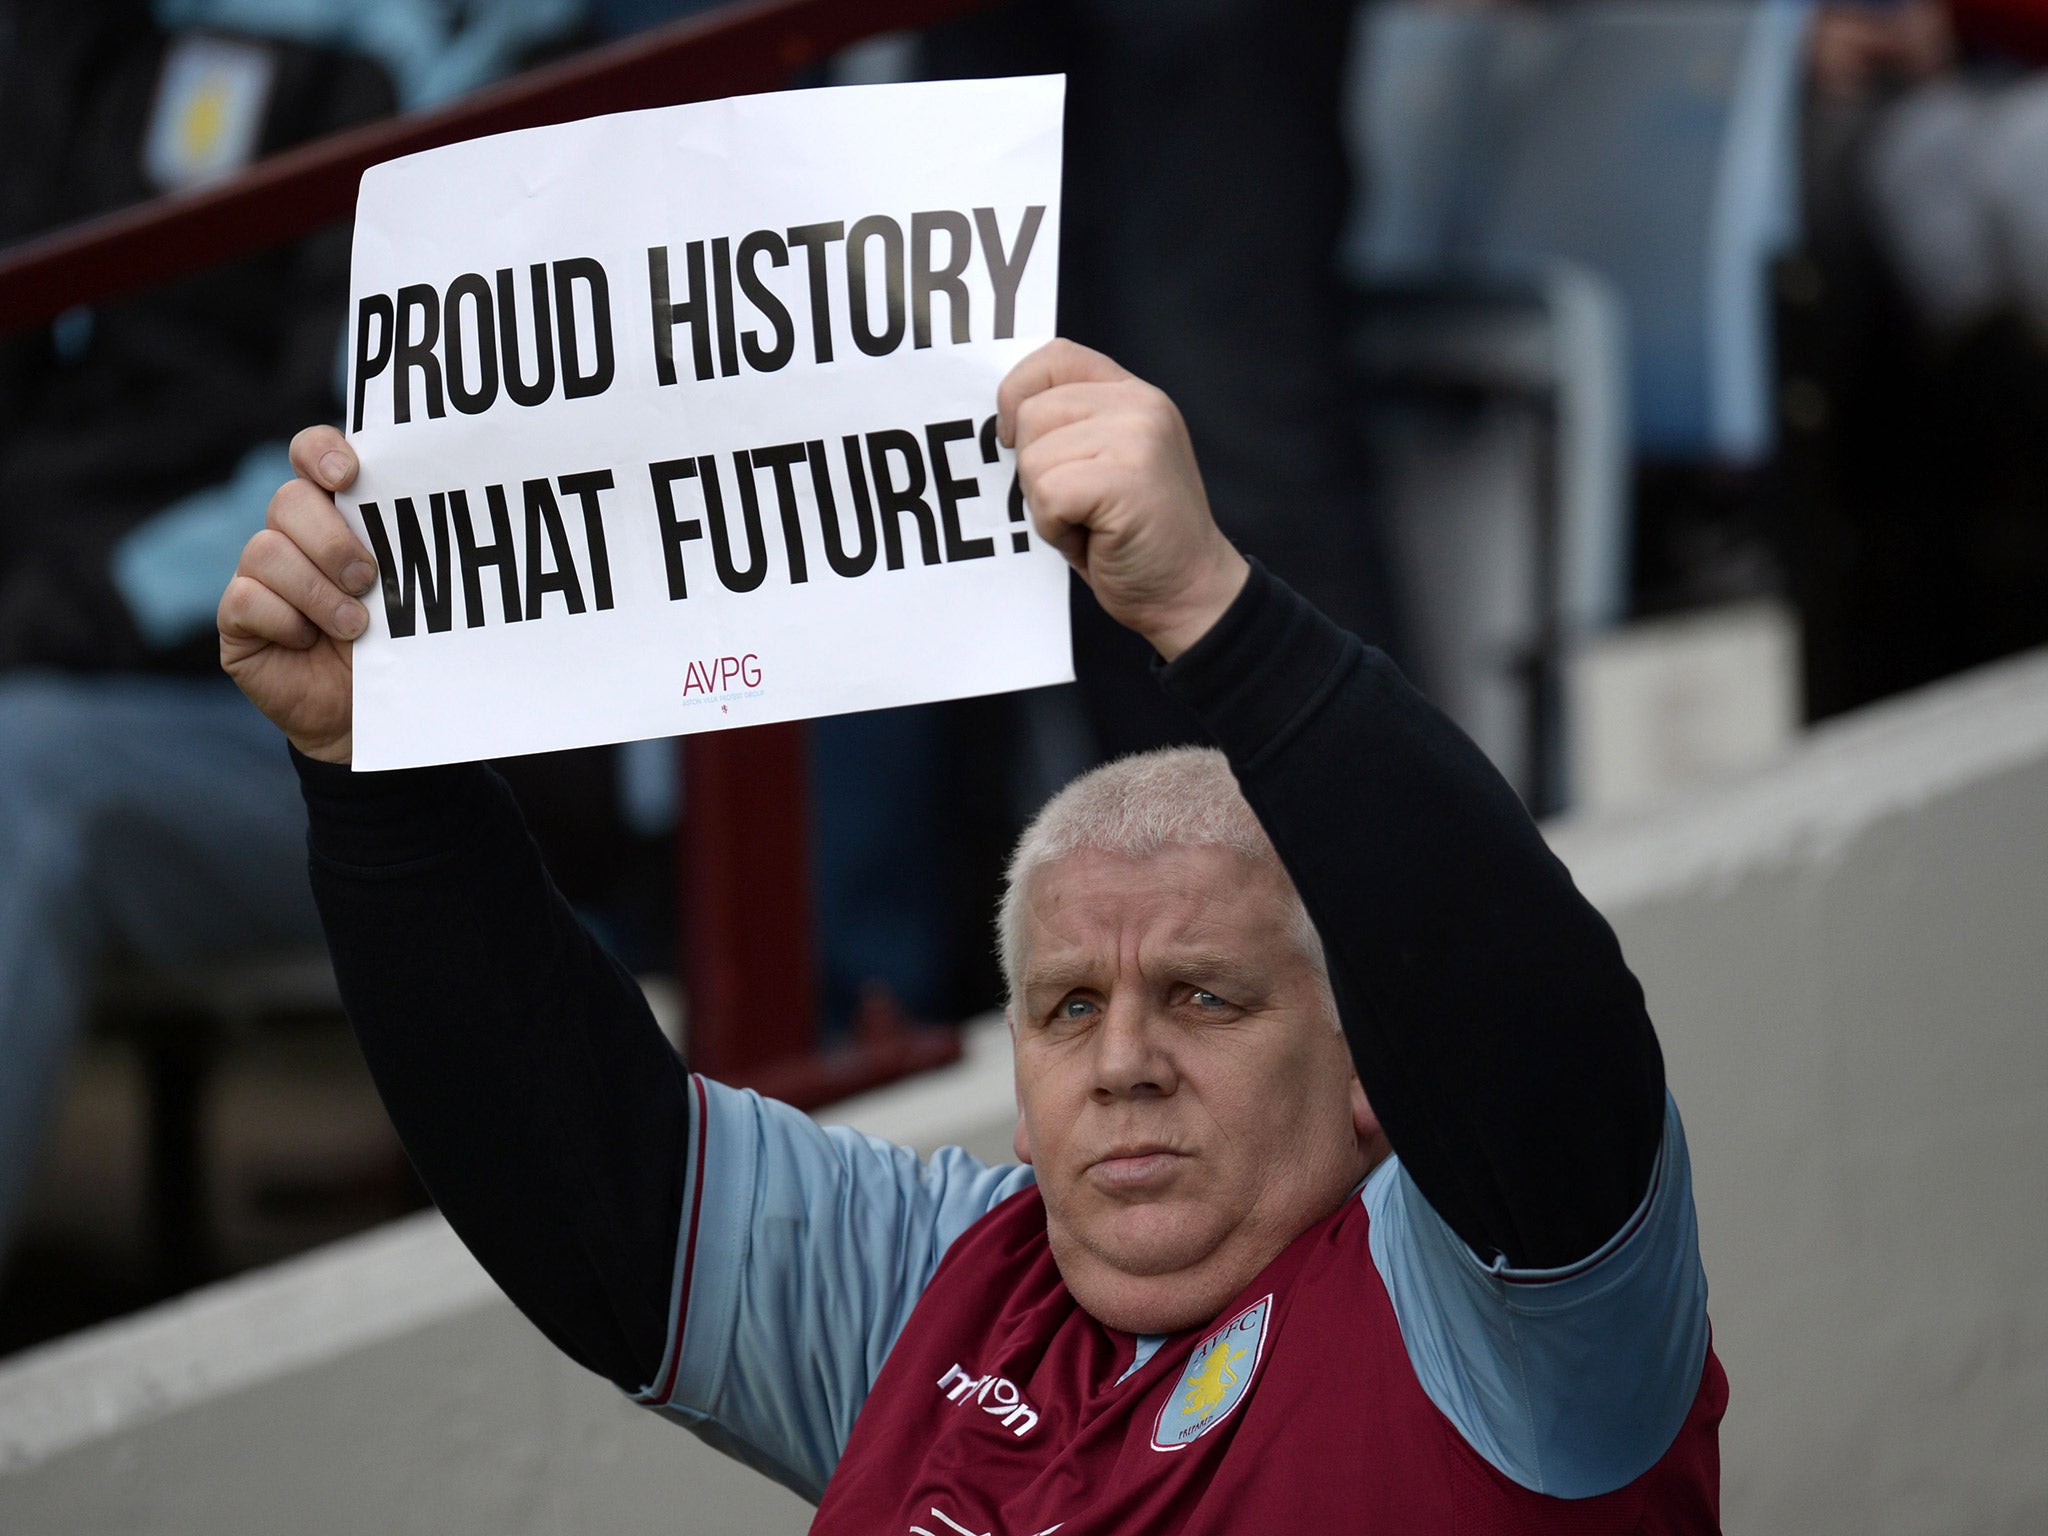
(1149, 1303)
(1148, 1274)
(1152, 1238)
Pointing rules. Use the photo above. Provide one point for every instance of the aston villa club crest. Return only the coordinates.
(1218, 1375)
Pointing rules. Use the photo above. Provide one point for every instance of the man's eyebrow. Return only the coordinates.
(1064, 974)
(1184, 964)
(1213, 965)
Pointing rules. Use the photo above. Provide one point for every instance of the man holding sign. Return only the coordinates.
(1350, 1196)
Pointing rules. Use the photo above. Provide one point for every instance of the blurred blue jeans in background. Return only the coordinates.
(152, 817)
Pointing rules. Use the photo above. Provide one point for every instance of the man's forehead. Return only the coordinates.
(1192, 873)
(1191, 903)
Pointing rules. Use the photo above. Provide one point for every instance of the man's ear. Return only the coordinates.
(1020, 1139)
(1372, 1140)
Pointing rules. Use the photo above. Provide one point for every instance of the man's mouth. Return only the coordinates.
(1135, 1168)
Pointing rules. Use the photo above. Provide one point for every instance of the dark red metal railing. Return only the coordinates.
(747, 926)
(756, 45)
(745, 944)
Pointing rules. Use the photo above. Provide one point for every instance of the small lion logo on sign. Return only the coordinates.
(1217, 1376)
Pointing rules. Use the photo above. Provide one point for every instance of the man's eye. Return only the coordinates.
(1203, 999)
(1074, 1008)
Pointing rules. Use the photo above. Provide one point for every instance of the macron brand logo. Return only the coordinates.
(994, 1396)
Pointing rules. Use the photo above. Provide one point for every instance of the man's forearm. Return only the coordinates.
(1495, 1027)
(540, 1103)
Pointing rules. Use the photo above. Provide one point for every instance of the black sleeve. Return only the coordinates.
(535, 1094)
(1498, 1033)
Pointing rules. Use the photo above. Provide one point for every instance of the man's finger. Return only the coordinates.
(1089, 437)
(1061, 501)
(324, 457)
(306, 515)
(1051, 409)
(1057, 362)
(282, 566)
(252, 616)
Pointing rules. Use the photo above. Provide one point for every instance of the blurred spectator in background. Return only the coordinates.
(1921, 367)
(144, 808)
(1205, 189)
(1956, 174)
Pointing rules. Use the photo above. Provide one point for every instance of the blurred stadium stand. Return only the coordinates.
(1564, 229)
(1568, 256)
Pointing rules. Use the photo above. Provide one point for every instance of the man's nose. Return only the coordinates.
(1133, 1058)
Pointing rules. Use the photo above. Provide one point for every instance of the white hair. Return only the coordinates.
(1176, 797)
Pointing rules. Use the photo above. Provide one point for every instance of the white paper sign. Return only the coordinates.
(683, 419)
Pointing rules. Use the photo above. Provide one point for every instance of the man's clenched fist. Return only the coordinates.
(1110, 477)
(289, 618)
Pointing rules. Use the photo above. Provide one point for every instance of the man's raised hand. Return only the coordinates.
(290, 616)
(1110, 477)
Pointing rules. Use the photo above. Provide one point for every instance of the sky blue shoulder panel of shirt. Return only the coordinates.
(1571, 1381)
(803, 1249)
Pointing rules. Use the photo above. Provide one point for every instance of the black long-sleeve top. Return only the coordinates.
(1501, 1039)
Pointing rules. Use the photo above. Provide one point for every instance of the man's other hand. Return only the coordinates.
(1110, 477)
(290, 616)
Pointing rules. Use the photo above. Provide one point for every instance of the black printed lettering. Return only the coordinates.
(813, 238)
(543, 384)
(765, 242)
(781, 460)
(733, 578)
(544, 520)
(694, 311)
(1006, 273)
(371, 360)
(991, 453)
(862, 559)
(417, 351)
(675, 531)
(721, 290)
(584, 488)
(413, 581)
(500, 552)
(577, 384)
(892, 500)
(876, 226)
(951, 491)
(471, 402)
(926, 279)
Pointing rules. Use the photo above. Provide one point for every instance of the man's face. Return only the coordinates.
(1183, 1093)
